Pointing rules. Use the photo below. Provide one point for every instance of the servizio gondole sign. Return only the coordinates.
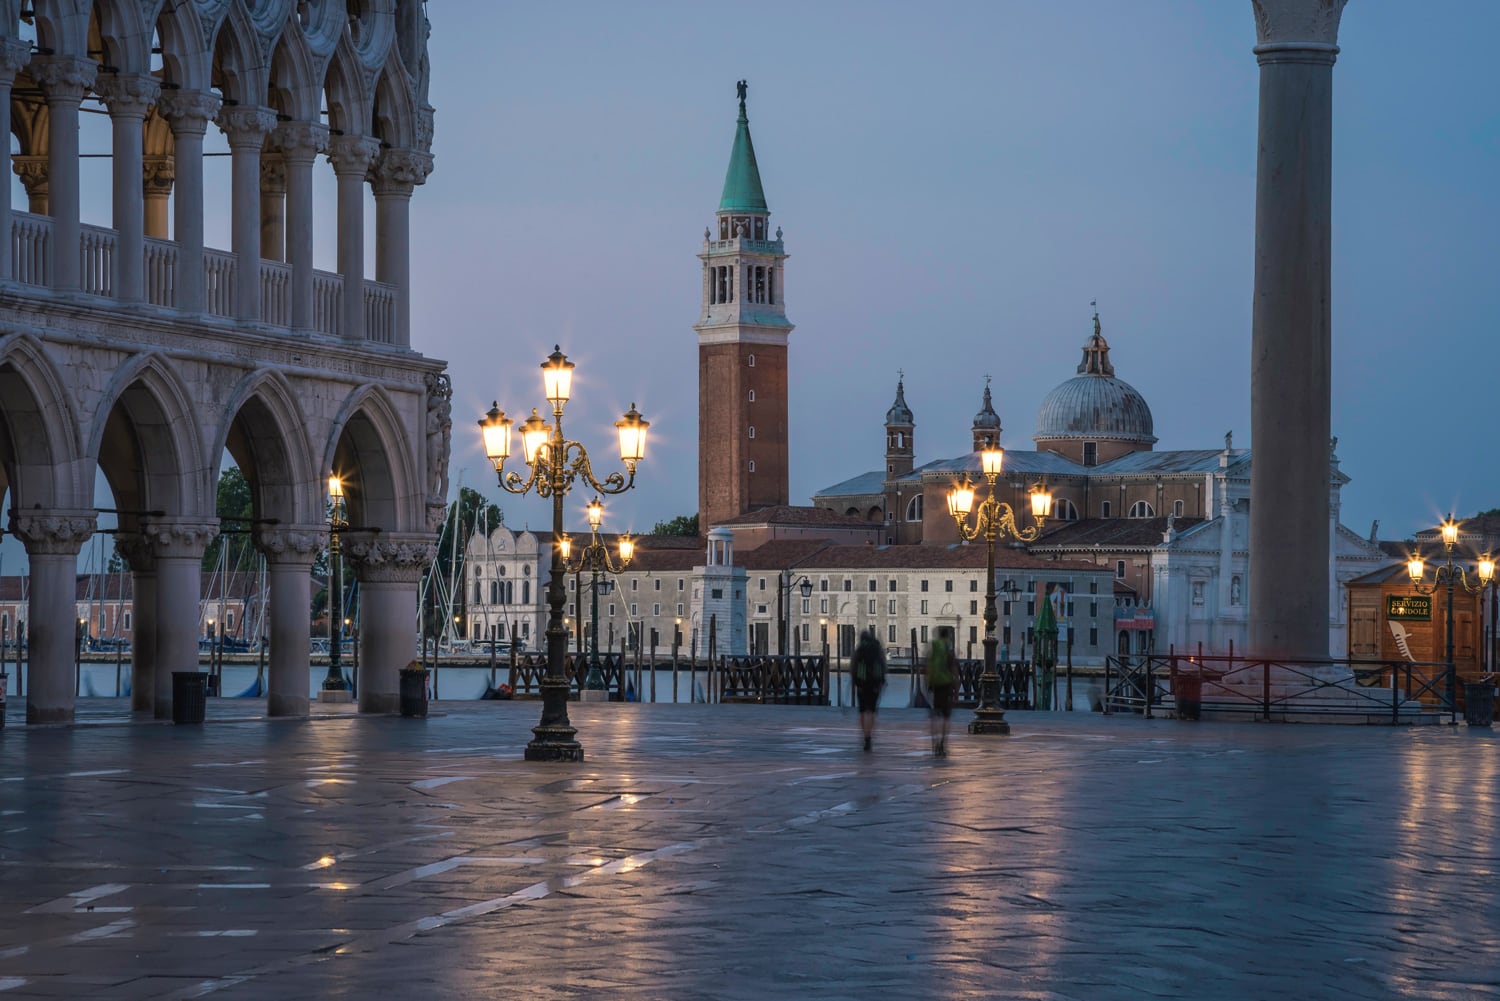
(1411, 607)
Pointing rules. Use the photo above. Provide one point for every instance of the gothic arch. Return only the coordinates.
(146, 441)
(239, 71)
(185, 60)
(293, 81)
(368, 447)
(123, 35)
(63, 26)
(348, 102)
(39, 442)
(395, 113)
(265, 430)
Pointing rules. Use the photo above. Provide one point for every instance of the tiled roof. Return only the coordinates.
(787, 514)
(872, 482)
(1109, 533)
(782, 554)
(950, 557)
(1202, 460)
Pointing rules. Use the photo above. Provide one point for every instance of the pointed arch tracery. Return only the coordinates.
(365, 447)
(39, 440)
(264, 429)
(147, 443)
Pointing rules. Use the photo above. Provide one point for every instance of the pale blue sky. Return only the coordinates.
(956, 182)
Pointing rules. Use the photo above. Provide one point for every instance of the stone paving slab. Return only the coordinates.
(746, 852)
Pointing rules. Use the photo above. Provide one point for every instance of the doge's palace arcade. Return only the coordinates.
(135, 351)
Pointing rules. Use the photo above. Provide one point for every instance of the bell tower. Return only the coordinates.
(742, 338)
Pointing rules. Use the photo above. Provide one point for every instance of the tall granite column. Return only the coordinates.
(177, 546)
(52, 539)
(14, 54)
(64, 80)
(246, 128)
(389, 568)
(128, 97)
(1291, 357)
(289, 556)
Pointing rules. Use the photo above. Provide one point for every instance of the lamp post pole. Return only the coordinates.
(1449, 574)
(784, 589)
(334, 681)
(556, 463)
(994, 520)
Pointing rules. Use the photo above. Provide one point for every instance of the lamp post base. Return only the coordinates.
(335, 695)
(988, 720)
(554, 743)
(593, 695)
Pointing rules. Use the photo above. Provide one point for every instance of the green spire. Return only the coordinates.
(742, 191)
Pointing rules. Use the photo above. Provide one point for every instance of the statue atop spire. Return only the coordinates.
(740, 89)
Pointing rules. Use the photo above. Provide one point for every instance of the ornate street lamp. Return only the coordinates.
(994, 520)
(784, 588)
(338, 521)
(1450, 573)
(555, 463)
(595, 558)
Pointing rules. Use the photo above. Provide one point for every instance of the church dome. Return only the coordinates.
(1094, 404)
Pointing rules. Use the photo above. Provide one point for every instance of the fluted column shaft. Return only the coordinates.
(351, 157)
(13, 55)
(52, 539)
(299, 144)
(63, 80)
(128, 98)
(246, 128)
(1291, 355)
(188, 113)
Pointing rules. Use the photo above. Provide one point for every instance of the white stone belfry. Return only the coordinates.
(718, 610)
(1291, 354)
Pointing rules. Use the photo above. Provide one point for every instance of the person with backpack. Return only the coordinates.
(868, 667)
(942, 684)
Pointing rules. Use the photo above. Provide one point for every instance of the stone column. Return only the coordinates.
(52, 539)
(64, 79)
(13, 56)
(1290, 358)
(188, 112)
(157, 175)
(272, 206)
(177, 547)
(289, 556)
(299, 144)
(351, 157)
(247, 128)
(396, 173)
(138, 556)
(128, 98)
(389, 568)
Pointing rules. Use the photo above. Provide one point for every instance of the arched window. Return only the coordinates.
(1104, 509)
(1177, 508)
(752, 465)
(914, 508)
(750, 361)
(494, 592)
(1141, 509)
(1064, 509)
(752, 430)
(752, 396)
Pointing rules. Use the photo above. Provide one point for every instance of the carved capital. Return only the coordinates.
(1297, 24)
(14, 55)
(136, 551)
(299, 142)
(395, 559)
(178, 538)
(32, 170)
(63, 78)
(291, 544)
(397, 171)
(157, 175)
(128, 95)
(245, 125)
(352, 154)
(53, 533)
(188, 112)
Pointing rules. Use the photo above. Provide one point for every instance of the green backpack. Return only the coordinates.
(939, 665)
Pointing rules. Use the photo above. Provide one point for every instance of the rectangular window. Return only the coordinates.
(806, 606)
(973, 634)
(611, 609)
(762, 583)
(892, 609)
(635, 584)
(806, 634)
(872, 606)
(572, 608)
(848, 584)
(823, 584)
(656, 609)
(760, 609)
(1093, 636)
(679, 583)
(1004, 608)
(924, 634)
(890, 585)
(823, 606)
(716, 593)
(973, 608)
(679, 608)
(572, 584)
(890, 633)
(1030, 608)
(924, 609)
(1005, 635)
(974, 584)
(1120, 569)
(633, 612)
(924, 587)
(1104, 509)
(1091, 454)
(948, 584)
(656, 585)
(872, 583)
(1093, 587)
(1093, 609)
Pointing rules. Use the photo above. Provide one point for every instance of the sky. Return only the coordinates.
(957, 182)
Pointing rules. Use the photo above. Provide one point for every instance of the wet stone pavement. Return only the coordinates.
(746, 852)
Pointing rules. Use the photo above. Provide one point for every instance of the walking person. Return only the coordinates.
(869, 679)
(942, 681)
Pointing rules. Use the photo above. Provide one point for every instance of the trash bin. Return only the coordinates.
(413, 692)
(1479, 704)
(1187, 689)
(189, 696)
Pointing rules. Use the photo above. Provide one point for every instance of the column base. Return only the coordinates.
(36, 714)
(990, 721)
(286, 705)
(593, 695)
